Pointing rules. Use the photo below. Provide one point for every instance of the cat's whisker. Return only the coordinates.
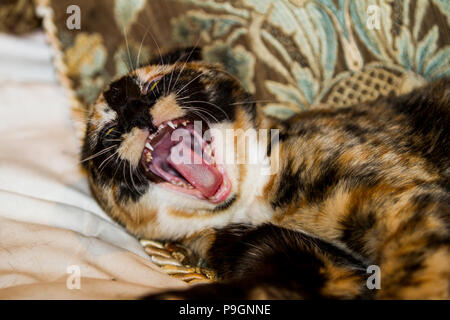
(187, 96)
(125, 176)
(181, 97)
(231, 76)
(159, 51)
(154, 41)
(253, 101)
(97, 154)
(209, 103)
(182, 92)
(199, 110)
(198, 113)
(187, 59)
(128, 49)
(198, 76)
(104, 162)
(171, 74)
(135, 171)
(113, 130)
(117, 168)
(113, 140)
(140, 47)
(132, 180)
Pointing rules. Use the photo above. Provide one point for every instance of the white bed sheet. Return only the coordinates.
(48, 219)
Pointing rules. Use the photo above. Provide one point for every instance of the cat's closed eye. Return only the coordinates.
(151, 85)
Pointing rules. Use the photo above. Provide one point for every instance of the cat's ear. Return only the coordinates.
(189, 54)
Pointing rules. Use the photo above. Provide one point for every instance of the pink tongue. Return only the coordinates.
(203, 176)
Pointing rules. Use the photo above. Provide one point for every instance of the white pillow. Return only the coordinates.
(48, 219)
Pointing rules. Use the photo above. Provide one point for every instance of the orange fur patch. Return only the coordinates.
(132, 145)
(165, 109)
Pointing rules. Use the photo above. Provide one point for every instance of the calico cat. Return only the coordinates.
(353, 186)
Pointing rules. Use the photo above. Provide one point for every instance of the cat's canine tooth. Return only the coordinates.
(208, 150)
(184, 123)
(170, 123)
(149, 146)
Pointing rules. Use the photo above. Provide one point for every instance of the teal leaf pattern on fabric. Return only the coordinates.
(238, 61)
(327, 38)
(125, 12)
(306, 82)
(441, 58)
(425, 47)
(242, 34)
(285, 93)
(279, 110)
(337, 12)
(404, 49)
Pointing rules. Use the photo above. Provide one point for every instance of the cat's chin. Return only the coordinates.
(179, 158)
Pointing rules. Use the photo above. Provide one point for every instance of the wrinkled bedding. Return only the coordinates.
(50, 226)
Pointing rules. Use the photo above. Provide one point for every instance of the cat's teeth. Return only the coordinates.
(220, 192)
(170, 123)
(148, 157)
(181, 184)
(208, 150)
(184, 123)
(149, 146)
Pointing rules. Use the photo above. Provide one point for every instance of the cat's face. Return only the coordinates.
(154, 148)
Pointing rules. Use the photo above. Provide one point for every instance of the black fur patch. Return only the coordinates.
(317, 189)
(238, 251)
(427, 112)
(179, 55)
(355, 227)
(288, 188)
(124, 96)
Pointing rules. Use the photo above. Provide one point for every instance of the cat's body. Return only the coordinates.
(353, 187)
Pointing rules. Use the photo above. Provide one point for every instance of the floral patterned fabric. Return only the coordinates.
(292, 54)
(18, 16)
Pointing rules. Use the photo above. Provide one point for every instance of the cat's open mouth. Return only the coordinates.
(183, 160)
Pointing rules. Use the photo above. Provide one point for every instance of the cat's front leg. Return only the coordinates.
(269, 262)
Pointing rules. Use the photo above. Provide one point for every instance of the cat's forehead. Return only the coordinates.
(111, 105)
(135, 84)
